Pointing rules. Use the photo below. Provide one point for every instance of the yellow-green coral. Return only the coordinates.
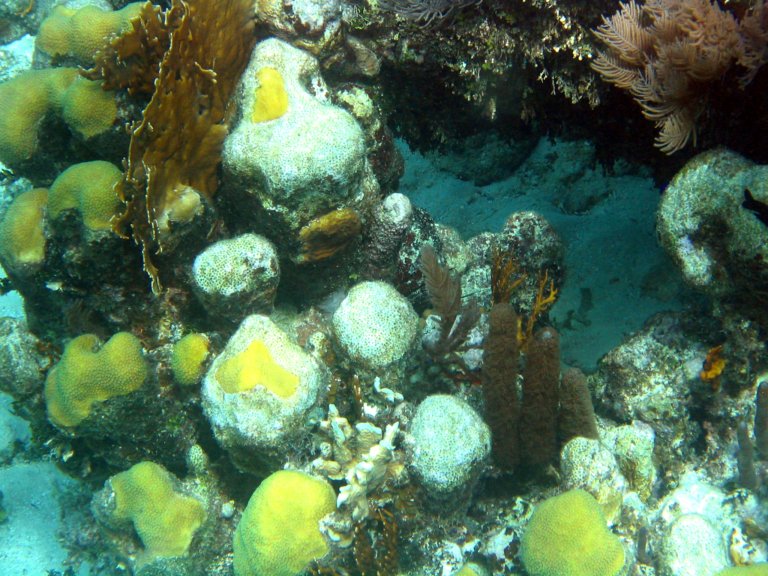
(89, 373)
(271, 97)
(753, 570)
(188, 358)
(87, 109)
(80, 33)
(164, 519)
(87, 188)
(253, 367)
(279, 532)
(567, 536)
(22, 242)
(25, 100)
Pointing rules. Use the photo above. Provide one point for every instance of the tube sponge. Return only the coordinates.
(89, 373)
(164, 519)
(567, 536)
(279, 532)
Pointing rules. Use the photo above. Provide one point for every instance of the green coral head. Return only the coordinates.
(567, 536)
(89, 373)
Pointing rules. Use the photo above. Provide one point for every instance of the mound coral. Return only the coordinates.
(188, 358)
(88, 189)
(279, 532)
(567, 536)
(31, 96)
(22, 243)
(89, 373)
(80, 33)
(164, 519)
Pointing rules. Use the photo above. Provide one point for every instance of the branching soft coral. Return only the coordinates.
(663, 53)
(176, 148)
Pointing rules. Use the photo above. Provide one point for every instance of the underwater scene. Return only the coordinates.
(383, 288)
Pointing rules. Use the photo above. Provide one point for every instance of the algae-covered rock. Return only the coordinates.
(293, 156)
(708, 220)
(258, 395)
(237, 276)
(450, 445)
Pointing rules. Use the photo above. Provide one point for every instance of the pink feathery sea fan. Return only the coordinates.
(425, 12)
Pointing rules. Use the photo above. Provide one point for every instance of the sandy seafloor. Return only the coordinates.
(611, 251)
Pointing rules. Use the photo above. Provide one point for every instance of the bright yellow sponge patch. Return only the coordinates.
(567, 536)
(88, 188)
(271, 98)
(253, 367)
(88, 373)
(80, 33)
(22, 243)
(279, 532)
(25, 100)
(188, 358)
(87, 109)
(164, 519)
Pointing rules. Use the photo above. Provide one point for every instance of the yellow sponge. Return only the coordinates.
(22, 243)
(567, 536)
(188, 358)
(80, 33)
(89, 373)
(165, 520)
(88, 188)
(279, 533)
(253, 367)
(271, 97)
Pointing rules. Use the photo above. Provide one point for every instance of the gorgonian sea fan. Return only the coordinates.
(425, 12)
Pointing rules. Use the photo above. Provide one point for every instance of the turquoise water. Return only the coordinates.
(396, 288)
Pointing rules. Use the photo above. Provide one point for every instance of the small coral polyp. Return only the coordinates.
(90, 373)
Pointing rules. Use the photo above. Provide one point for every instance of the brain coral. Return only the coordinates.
(279, 532)
(22, 243)
(567, 536)
(88, 188)
(164, 519)
(375, 324)
(80, 33)
(89, 372)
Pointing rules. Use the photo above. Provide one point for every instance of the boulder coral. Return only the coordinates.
(90, 372)
(279, 532)
(22, 242)
(293, 156)
(259, 392)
